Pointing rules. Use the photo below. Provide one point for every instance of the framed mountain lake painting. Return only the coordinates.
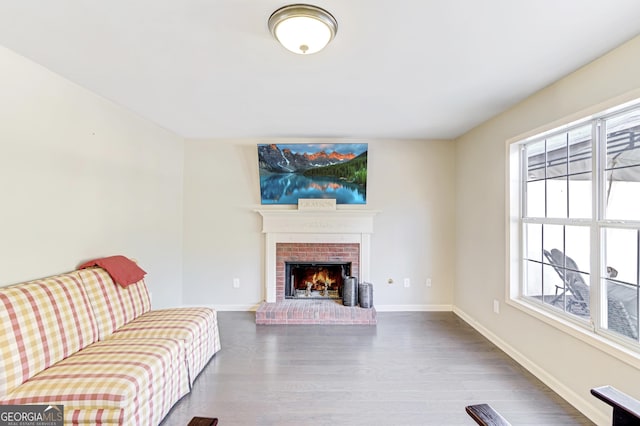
(303, 170)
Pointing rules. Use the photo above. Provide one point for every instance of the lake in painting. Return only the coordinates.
(286, 189)
(292, 171)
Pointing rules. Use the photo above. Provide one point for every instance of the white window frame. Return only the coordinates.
(592, 332)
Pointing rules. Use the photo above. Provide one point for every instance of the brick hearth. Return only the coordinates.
(314, 312)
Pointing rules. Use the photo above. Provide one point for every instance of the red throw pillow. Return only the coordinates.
(122, 270)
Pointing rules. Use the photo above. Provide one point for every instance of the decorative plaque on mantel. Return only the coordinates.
(315, 204)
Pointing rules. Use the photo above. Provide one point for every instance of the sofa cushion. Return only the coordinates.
(128, 381)
(197, 327)
(41, 323)
(114, 305)
(123, 270)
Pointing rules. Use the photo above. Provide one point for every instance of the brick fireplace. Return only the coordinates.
(308, 237)
(318, 253)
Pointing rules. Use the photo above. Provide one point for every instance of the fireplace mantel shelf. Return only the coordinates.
(344, 212)
(341, 221)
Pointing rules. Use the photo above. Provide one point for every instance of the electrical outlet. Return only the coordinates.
(236, 283)
(496, 306)
(407, 282)
(428, 282)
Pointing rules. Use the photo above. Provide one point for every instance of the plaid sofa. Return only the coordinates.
(82, 341)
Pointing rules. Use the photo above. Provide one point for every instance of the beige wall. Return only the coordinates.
(411, 182)
(83, 178)
(569, 365)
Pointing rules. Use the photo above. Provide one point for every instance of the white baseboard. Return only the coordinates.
(413, 308)
(236, 307)
(226, 307)
(581, 404)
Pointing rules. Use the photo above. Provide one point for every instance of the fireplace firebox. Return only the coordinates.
(314, 280)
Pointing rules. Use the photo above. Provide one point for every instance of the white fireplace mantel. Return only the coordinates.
(314, 226)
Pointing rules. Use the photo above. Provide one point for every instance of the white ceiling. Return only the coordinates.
(396, 69)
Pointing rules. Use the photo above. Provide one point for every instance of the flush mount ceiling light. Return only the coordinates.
(302, 28)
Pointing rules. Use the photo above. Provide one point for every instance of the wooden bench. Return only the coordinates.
(626, 410)
(203, 421)
(485, 415)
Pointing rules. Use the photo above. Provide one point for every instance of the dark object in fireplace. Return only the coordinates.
(315, 280)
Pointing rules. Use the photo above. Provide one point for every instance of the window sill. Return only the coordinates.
(574, 329)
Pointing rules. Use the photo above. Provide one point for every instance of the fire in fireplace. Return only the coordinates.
(315, 280)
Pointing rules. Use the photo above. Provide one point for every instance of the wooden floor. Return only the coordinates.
(413, 368)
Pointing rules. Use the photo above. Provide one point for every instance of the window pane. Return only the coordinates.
(622, 191)
(535, 198)
(557, 197)
(552, 239)
(557, 155)
(567, 290)
(621, 254)
(580, 196)
(533, 286)
(578, 294)
(553, 288)
(623, 137)
(535, 155)
(533, 237)
(572, 291)
(580, 150)
(622, 308)
(577, 241)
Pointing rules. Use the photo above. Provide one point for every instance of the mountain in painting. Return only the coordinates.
(272, 159)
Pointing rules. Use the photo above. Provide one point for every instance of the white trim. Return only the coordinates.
(413, 308)
(317, 221)
(251, 308)
(220, 308)
(586, 407)
(513, 234)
